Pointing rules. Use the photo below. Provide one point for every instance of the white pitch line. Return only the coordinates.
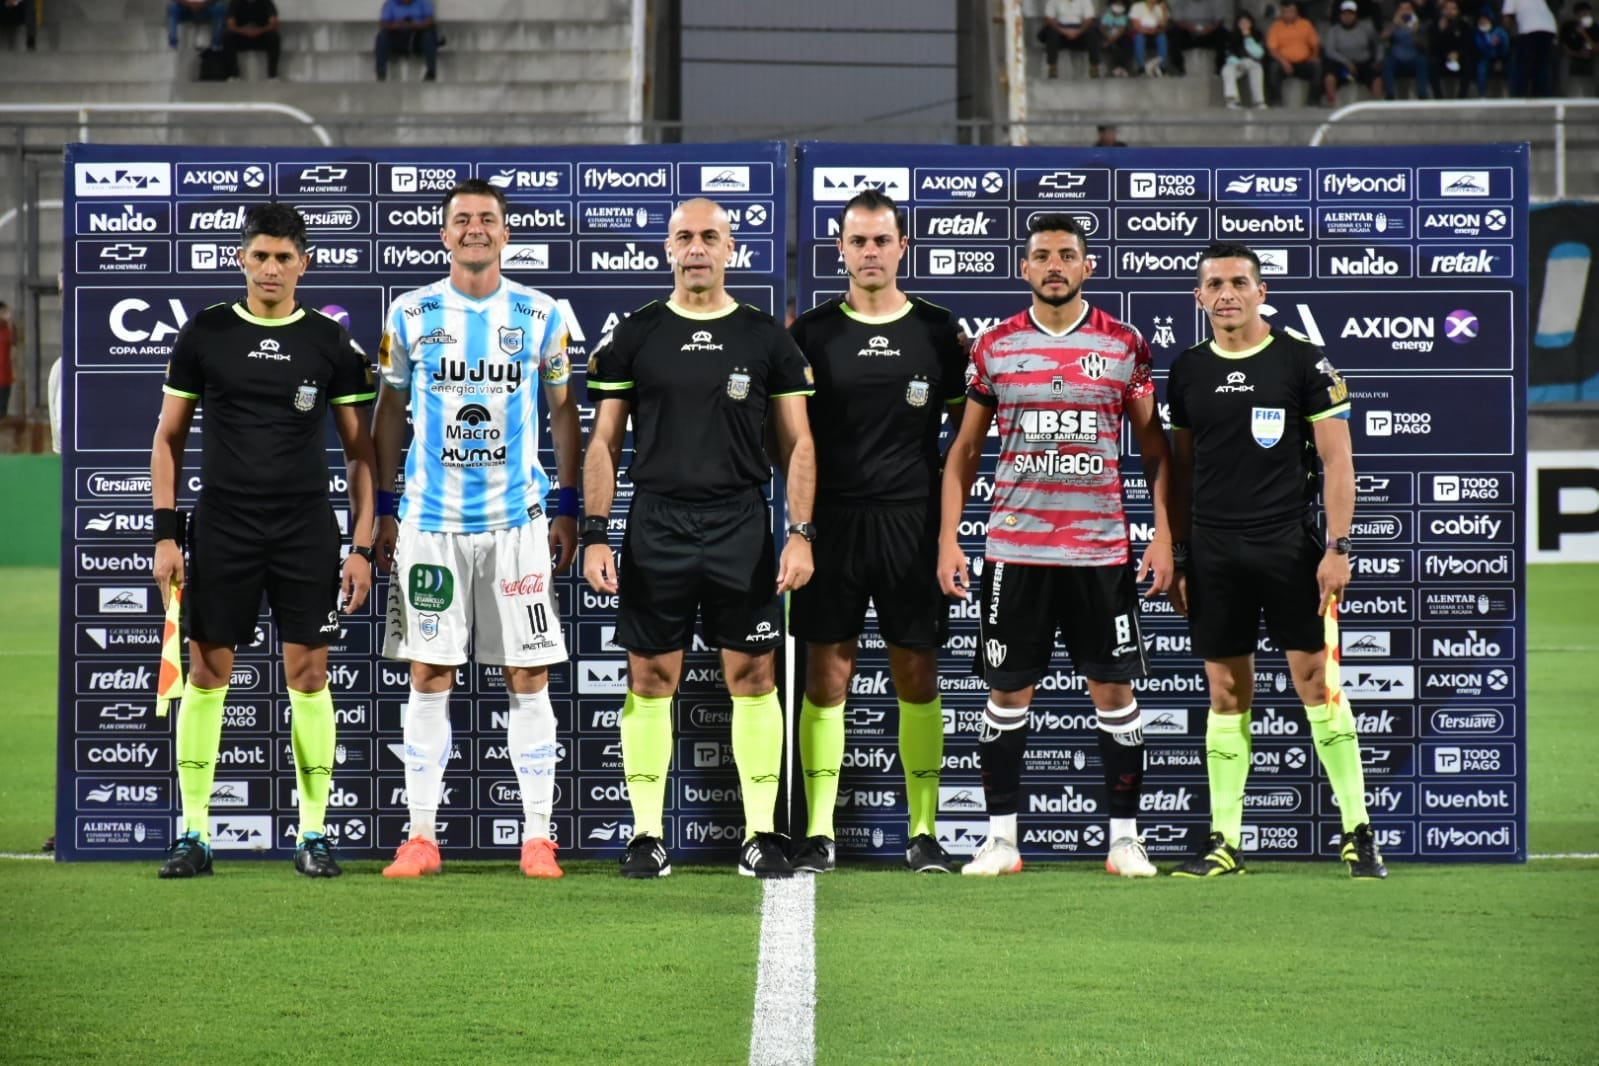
(784, 1028)
(24, 855)
(1568, 855)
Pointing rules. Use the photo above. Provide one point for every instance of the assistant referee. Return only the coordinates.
(704, 378)
(267, 371)
(1252, 410)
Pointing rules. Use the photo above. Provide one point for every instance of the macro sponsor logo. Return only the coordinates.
(122, 179)
(625, 177)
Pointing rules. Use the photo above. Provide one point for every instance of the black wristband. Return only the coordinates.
(168, 525)
(365, 551)
(595, 529)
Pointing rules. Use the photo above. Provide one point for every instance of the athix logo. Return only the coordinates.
(123, 179)
(1237, 381)
(1454, 183)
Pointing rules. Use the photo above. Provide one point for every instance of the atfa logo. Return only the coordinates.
(738, 383)
(917, 393)
(305, 397)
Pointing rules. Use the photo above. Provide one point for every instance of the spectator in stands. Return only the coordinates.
(1491, 45)
(408, 29)
(1149, 19)
(1197, 24)
(213, 11)
(1107, 137)
(7, 379)
(1578, 40)
(24, 13)
(1365, 11)
(1246, 57)
(1350, 51)
(1532, 65)
(1406, 42)
(1449, 53)
(1070, 24)
(1116, 38)
(1295, 48)
(253, 27)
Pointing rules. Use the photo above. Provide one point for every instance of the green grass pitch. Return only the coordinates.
(102, 962)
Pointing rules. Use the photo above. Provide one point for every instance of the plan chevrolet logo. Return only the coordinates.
(124, 252)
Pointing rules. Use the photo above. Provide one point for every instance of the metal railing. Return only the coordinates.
(1558, 105)
(84, 112)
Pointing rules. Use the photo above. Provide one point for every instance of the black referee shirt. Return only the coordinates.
(882, 385)
(699, 384)
(264, 386)
(1250, 414)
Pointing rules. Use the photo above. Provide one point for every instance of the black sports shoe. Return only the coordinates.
(926, 856)
(1218, 858)
(646, 857)
(314, 857)
(1360, 852)
(764, 855)
(814, 855)
(190, 857)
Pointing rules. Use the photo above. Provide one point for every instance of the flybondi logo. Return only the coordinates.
(609, 178)
(1352, 184)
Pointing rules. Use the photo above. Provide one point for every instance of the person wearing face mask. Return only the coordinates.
(1116, 38)
(1492, 46)
(1407, 51)
(1246, 50)
(1449, 53)
(1578, 40)
(1532, 67)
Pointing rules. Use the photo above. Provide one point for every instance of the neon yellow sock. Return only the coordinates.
(821, 743)
(1338, 745)
(646, 757)
(758, 751)
(199, 735)
(921, 750)
(1227, 752)
(312, 731)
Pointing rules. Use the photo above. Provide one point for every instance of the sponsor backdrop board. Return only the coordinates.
(1410, 269)
(150, 238)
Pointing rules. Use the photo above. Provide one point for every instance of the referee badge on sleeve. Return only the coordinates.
(1266, 423)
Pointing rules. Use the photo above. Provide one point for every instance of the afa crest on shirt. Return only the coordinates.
(305, 398)
(738, 384)
(512, 340)
(917, 393)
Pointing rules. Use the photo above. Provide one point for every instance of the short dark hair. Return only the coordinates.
(872, 201)
(274, 220)
(1223, 250)
(477, 187)
(1057, 222)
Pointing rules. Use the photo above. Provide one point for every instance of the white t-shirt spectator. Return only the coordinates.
(1147, 15)
(1070, 12)
(1532, 16)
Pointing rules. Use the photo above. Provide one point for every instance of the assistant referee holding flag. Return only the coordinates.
(704, 378)
(888, 366)
(1251, 411)
(267, 371)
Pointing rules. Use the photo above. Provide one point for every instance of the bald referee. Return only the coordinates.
(1252, 410)
(888, 367)
(267, 371)
(703, 378)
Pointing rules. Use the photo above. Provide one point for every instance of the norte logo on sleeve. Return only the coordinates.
(431, 588)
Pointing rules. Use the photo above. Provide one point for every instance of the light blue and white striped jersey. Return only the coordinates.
(473, 370)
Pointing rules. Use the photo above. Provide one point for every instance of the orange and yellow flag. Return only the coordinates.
(169, 683)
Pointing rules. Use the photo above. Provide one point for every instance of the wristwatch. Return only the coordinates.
(594, 529)
(1341, 545)
(802, 529)
(365, 551)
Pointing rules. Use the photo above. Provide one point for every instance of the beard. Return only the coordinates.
(1057, 301)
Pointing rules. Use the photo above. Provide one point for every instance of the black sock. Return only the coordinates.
(999, 749)
(1123, 756)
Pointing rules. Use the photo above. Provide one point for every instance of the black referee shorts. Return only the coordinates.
(887, 555)
(715, 559)
(1235, 575)
(1094, 607)
(240, 549)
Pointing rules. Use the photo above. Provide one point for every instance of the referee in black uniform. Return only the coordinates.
(887, 368)
(704, 378)
(1252, 411)
(267, 371)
